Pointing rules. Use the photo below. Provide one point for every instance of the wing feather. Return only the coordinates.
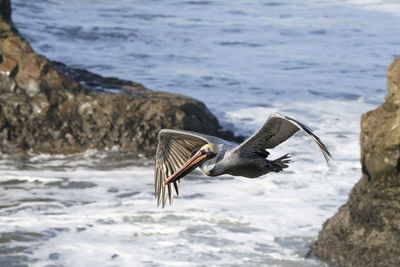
(176, 186)
(170, 193)
(277, 129)
(173, 150)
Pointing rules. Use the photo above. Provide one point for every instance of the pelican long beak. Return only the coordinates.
(190, 165)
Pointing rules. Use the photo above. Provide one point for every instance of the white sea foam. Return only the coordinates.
(388, 6)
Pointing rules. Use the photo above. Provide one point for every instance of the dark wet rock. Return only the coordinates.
(5, 12)
(94, 82)
(366, 230)
(47, 107)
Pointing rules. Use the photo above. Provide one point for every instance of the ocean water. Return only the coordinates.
(323, 63)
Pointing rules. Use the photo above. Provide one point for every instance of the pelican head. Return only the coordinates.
(197, 158)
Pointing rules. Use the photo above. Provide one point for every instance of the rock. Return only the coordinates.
(366, 230)
(46, 107)
(5, 11)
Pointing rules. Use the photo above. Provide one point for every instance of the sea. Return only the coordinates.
(321, 62)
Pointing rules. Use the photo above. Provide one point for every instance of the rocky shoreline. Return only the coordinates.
(47, 107)
(366, 230)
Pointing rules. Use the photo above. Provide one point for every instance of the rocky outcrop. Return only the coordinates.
(5, 11)
(366, 230)
(44, 110)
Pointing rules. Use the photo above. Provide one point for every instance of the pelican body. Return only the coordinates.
(179, 152)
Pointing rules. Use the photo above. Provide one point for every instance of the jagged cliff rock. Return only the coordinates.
(366, 230)
(44, 110)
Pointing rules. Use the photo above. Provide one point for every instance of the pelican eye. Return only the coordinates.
(203, 151)
(194, 152)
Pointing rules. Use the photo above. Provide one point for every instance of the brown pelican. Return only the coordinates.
(179, 152)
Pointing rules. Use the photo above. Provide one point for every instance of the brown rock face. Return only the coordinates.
(366, 230)
(42, 110)
(5, 10)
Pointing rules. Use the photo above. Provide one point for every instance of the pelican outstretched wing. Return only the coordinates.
(173, 150)
(277, 129)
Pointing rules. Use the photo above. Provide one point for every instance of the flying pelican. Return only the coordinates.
(179, 152)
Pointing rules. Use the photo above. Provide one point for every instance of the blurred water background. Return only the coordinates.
(321, 62)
